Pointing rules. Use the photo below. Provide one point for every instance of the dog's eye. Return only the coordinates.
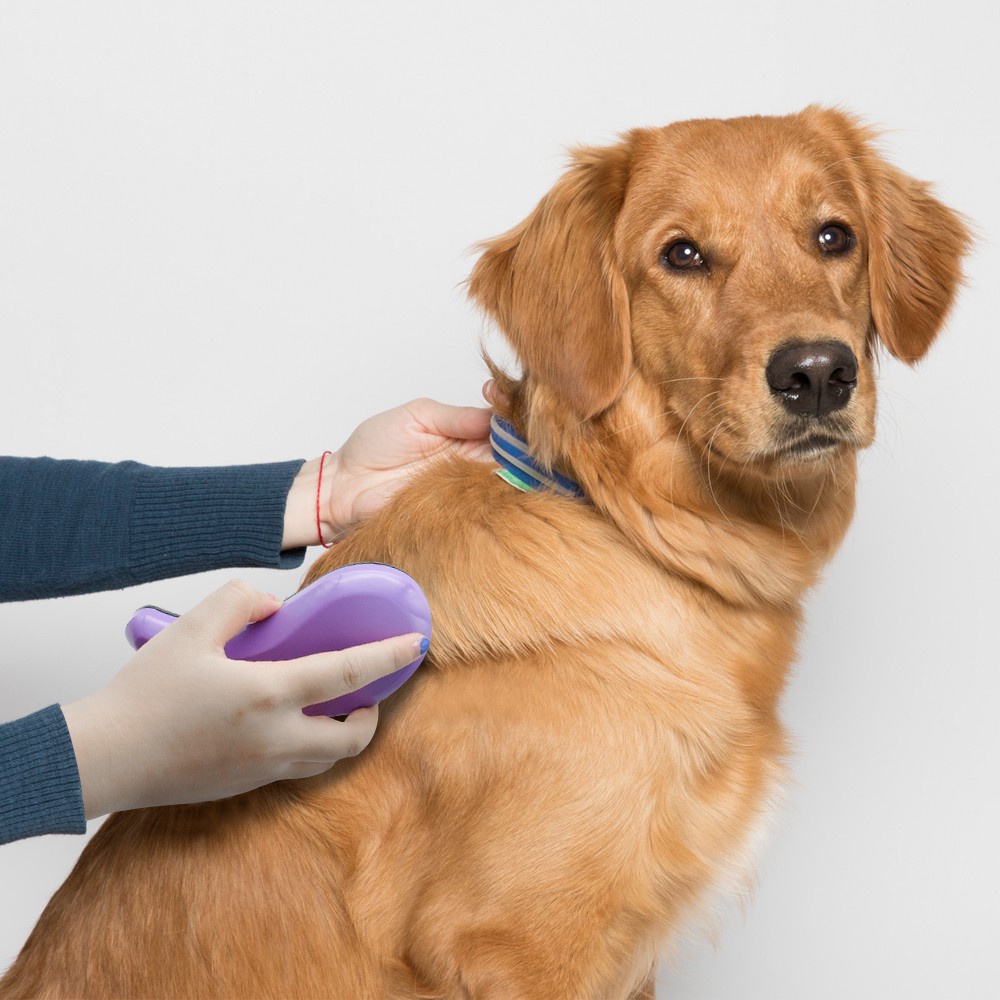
(835, 238)
(682, 256)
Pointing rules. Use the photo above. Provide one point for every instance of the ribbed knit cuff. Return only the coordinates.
(189, 520)
(39, 781)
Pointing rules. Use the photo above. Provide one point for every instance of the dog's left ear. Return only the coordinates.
(553, 285)
(916, 246)
(915, 243)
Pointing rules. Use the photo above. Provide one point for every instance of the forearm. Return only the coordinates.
(69, 527)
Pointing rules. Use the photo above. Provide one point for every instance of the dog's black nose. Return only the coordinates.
(813, 378)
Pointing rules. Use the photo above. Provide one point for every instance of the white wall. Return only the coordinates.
(231, 230)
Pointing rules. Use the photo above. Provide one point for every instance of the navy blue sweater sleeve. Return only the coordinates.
(39, 781)
(69, 527)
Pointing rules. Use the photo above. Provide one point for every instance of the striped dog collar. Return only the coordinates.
(518, 468)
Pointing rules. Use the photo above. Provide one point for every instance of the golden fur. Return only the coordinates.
(594, 735)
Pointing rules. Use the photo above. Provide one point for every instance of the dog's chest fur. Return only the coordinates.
(578, 736)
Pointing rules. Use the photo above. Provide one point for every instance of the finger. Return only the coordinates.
(467, 423)
(230, 608)
(323, 741)
(324, 676)
(494, 395)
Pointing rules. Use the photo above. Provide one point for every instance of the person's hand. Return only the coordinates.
(182, 723)
(387, 449)
(375, 461)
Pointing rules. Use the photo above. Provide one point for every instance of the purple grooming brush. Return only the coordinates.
(352, 605)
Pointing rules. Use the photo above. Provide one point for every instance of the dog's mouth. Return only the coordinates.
(791, 444)
(786, 447)
(804, 452)
(814, 446)
(811, 447)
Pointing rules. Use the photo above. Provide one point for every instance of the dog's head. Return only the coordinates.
(739, 272)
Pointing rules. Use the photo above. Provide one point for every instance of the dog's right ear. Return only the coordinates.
(554, 287)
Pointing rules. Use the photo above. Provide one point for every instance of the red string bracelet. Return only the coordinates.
(319, 485)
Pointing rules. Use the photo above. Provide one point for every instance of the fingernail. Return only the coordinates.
(422, 646)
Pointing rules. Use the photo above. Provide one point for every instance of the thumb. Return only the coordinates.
(226, 611)
(466, 423)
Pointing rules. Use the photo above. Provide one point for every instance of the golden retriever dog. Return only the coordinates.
(593, 745)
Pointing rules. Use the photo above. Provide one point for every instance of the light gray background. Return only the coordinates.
(230, 231)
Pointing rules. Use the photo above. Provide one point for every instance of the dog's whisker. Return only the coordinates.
(708, 473)
(819, 496)
(694, 378)
(673, 454)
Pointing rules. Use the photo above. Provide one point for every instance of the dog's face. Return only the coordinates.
(742, 269)
(743, 245)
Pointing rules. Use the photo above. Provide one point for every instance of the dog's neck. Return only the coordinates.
(748, 542)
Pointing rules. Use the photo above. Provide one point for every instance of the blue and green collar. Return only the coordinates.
(517, 466)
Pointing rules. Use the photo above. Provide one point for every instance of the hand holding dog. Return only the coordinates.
(375, 461)
(183, 723)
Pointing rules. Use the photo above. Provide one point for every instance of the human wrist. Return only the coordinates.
(310, 510)
(300, 509)
(98, 760)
